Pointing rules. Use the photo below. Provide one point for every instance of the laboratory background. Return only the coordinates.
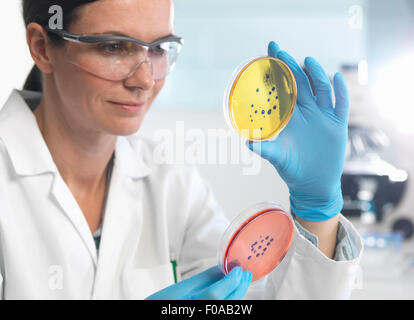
(370, 41)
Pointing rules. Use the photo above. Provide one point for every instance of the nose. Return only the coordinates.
(142, 77)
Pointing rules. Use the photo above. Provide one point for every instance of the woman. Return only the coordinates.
(71, 173)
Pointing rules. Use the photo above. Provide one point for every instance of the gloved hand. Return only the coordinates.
(309, 153)
(211, 284)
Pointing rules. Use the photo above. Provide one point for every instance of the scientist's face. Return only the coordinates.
(96, 103)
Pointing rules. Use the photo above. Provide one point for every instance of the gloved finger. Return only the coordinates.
(303, 86)
(321, 83)
(222, 288)
(241, 291)
(200, 281)
(182, 289)
(272, 49)
(341, 97)
(268, 150)
(279, 152)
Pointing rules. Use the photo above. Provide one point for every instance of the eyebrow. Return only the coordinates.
(117, 33)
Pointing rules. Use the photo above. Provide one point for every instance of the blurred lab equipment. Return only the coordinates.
(373, 188)
(383, 256)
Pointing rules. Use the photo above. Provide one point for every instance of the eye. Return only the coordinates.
(113, 47)
(159, 50)
(117, 48)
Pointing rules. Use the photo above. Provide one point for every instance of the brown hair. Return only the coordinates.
(38, 11)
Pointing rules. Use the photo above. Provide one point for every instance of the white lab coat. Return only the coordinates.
(155, 213)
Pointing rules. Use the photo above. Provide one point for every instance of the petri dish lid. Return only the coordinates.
(257, 240)
(260, 98)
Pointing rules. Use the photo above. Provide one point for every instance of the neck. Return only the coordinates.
(80, 154)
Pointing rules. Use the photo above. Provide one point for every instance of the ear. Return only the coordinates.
(40, 47)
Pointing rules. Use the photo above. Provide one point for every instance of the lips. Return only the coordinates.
(129, 106)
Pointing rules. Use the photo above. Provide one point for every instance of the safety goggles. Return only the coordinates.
(117, 58)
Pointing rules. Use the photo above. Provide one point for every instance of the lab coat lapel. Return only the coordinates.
(123, 218)
(68, 204)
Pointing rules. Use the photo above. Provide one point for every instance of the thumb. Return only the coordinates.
(268, 150)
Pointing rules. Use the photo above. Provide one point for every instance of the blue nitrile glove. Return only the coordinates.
(309, 153)
(211, 284)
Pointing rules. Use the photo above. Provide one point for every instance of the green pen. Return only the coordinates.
(174, 266)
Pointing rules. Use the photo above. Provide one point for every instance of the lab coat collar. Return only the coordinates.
(20, 133)
(129, 158)
(29, 153)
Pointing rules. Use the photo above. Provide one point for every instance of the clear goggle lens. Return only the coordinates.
(118, 60)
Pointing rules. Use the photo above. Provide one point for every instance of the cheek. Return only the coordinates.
(72, 84)
(78, 89)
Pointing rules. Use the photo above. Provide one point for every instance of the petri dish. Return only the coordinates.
(260, 98)
(257, 240)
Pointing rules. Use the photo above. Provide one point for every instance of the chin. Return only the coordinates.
(125, 128)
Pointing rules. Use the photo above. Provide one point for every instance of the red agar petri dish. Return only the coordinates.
(257, 240)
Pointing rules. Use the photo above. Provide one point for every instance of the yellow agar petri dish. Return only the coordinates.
(260, 99)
